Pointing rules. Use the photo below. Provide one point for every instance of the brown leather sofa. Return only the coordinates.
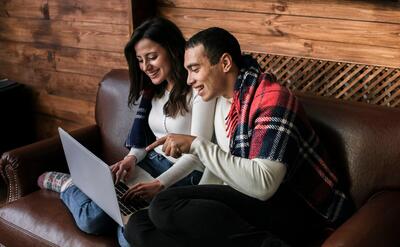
(362, 142)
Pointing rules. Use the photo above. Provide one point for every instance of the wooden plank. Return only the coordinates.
(73, 86)
(74, 110)
(98, 36)
(294, 27)
(28, 54)
(24, 8)
(19, 73)
(374, 11)
(88, 62)
(111, 11)
(324, 50)
(46, 126)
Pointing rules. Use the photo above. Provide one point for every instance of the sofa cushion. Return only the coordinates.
(42, 217)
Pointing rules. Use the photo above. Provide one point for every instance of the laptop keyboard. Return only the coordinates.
(131, 206)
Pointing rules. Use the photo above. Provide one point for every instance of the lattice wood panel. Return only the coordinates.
(358, 82)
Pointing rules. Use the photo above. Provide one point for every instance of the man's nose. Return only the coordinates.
(190, 80)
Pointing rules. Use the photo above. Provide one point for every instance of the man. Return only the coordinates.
(268, 171)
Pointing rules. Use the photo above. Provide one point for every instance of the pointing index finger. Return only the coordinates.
(158, 142)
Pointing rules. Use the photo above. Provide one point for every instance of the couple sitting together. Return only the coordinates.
(259, 184)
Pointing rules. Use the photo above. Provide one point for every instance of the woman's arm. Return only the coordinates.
(202, 124)
(139, 153)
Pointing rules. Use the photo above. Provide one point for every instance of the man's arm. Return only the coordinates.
(258, 178)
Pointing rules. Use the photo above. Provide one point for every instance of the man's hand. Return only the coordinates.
(123, 170)
(143, 190)
(173, 144)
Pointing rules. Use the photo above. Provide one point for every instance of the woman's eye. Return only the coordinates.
(153, 57)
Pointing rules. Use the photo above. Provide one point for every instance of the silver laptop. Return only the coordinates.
(94, 177)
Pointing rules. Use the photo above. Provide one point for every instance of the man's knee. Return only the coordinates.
(162, 207)
(136, 228)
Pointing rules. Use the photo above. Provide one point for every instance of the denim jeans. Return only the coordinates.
(91, 219)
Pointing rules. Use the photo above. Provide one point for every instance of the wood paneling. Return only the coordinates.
(366, 32)
(62, 49)
(23, 8)
(28, 55)
(18, 73)
(110, 11)
(77, 111)
(88, 62)
(373, 10)
(288, 26)
(69, 85)
(87, 35)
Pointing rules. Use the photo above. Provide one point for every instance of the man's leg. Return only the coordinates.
(204, 215)
(140, 231)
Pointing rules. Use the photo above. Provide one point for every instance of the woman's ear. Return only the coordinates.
(226, 61)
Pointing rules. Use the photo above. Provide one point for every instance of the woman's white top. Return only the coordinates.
(198, 121)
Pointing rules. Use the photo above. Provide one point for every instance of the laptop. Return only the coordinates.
(94, 177)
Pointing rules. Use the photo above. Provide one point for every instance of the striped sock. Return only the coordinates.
(53, 181)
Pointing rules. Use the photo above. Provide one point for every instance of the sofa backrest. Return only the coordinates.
(113, 115)
(362, 141)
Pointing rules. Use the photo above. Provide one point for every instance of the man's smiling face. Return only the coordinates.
(205, 78)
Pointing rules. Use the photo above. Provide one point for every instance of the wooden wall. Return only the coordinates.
(366, 32)
(61, 49)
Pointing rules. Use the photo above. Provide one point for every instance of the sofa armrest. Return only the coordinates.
(377, 223)
(21, 167)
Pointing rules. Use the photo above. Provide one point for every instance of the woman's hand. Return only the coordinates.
(144, 190)
(123, 170)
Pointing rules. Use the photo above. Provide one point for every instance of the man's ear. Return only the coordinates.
(226, 62)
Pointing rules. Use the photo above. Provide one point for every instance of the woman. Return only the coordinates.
(155, 56)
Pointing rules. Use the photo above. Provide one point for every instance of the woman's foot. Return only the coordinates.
(55, 181)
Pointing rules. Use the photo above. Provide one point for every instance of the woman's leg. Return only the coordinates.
(121, 238)
(89, 217)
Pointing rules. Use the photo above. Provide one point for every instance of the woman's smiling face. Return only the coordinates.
(153, 60)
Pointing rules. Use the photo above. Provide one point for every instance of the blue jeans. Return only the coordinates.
(91, 219)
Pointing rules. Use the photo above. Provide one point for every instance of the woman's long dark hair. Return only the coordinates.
(168, 35)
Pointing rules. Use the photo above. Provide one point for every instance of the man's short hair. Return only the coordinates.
(217, 41)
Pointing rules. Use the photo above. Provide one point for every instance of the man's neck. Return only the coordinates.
(231, 79)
